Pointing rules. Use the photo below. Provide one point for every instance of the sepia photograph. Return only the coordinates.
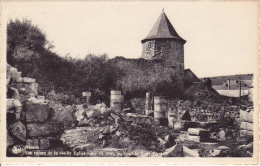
(141, 81)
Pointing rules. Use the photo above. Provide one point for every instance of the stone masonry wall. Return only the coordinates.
(29, 118)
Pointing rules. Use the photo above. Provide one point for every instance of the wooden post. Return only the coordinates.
(87, 95)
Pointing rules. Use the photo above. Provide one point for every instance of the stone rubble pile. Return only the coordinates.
(29, 117)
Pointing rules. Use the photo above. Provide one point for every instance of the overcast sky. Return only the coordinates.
(221, 37)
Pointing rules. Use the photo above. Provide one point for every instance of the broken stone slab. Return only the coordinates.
(32, 143)
(44, 143)
(28, 80)
(45, 129)
(36, 112)
(199, 132)
(190, 152)
(18, 129)
(194, 138)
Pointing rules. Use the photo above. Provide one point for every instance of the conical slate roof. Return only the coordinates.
(163, 29)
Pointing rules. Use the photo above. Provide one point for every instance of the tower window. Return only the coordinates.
(180, 66)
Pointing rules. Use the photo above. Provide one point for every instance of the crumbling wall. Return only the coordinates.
(29, 117)
(246, 121)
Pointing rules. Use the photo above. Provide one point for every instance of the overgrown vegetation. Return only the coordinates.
(30, 52)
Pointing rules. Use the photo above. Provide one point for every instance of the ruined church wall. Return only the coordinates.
(148, 75)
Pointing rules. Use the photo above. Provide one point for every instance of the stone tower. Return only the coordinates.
(163, 43)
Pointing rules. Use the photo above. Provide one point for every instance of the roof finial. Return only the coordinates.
(162, 9)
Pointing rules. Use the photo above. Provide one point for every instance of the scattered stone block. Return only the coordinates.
(18, 130)
(44, 143)
(194, 138)
(28, 80)
(31, 143)
(46, 129)
(194, 131)
(203, 133)
(189, 152)
(36, 112)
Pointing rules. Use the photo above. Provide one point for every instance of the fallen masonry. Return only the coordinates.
(166, 128)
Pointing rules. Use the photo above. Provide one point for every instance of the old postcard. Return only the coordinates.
(149, 82)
